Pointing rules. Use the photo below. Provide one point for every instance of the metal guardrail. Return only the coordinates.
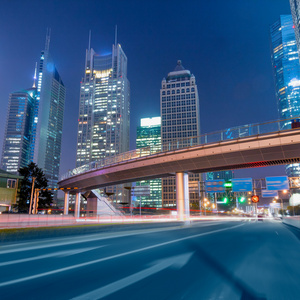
(208, 138)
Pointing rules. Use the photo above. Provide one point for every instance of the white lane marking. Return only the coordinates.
(276, 232)
(177, 262)
(91, 238)
(112, 257)
(57, 254)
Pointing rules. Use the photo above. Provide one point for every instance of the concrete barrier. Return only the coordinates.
(25, 220)
(293, 221)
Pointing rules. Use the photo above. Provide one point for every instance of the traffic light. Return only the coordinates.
(242, 199)
(255, 199)
(225, 199)
(228, 184)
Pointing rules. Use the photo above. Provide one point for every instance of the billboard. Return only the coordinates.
(277, 183)
(242, 185)
(215, 186)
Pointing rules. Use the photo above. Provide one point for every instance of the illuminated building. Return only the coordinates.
(34, 122)
(149, 138)
(295, 9)
(103, 122)
(180, 121)
(286, 70)
(16, 151)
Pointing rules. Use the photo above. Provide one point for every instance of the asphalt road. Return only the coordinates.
(207, 260)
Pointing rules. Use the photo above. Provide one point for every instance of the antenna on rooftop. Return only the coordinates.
(34, 77)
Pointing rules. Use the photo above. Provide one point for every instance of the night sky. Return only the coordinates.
(225, 44)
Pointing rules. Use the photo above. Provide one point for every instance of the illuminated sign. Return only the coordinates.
(215, 186)
(242, 185)
(155, 121)
(277, 183)
(255, 199)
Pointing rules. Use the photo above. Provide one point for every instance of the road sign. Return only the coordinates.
(143, 190)
(277, 183)
(215, 186)
(267, 193)
(255, 199)
(242, 185)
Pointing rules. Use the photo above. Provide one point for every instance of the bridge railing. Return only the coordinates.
(208, 138)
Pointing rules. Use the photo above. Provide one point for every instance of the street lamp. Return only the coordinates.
(32, 187)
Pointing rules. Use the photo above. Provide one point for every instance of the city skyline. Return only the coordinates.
(286, 68)
(254, 85)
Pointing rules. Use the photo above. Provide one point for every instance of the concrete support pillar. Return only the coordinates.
(182, 196)
(66, 206)
(77, 205)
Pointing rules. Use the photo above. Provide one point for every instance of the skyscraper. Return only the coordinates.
(286, 70)
(104, 109)
(48, 117)
(148, 137)
(180, 115)
(295, 9)
(16, 151)
(34, 122)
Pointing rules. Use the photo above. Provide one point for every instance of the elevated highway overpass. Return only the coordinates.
(258, 148)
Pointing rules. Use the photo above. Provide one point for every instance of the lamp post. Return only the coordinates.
(32, 187)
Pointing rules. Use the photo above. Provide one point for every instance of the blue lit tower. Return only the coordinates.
(48, 117)
(180, 115)
(286, 70)
(104, 109)
(295, 9)
(16, 151)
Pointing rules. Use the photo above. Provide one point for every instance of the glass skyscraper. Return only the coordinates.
(17, 143)
(180, 115)
(295, 9)
(104, 109)
(286, 70)
(149, 138)
(35, 121)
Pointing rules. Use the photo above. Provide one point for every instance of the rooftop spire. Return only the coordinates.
(34, 77)
(179, 66)
(116, 35)
(90, 35)
(48, 34)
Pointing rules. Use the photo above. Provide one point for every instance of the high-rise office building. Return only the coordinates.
(35, 121)
(48, 117)
(286, 70)
(17, 142)
(104, 109)
(295, 9)
(148, 138)
(180, 115)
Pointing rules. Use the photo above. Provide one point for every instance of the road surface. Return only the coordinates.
(206, 260)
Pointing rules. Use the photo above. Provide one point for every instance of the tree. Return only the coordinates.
(41, 182)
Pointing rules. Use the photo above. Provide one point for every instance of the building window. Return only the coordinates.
(11, 183)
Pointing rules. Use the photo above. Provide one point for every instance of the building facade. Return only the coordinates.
(148, 139)
(35, 122)
(17, 144)
(180, 115)
(295, 9)
(104, 109)
(48, 117)
(9, 188)
(286, 70)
